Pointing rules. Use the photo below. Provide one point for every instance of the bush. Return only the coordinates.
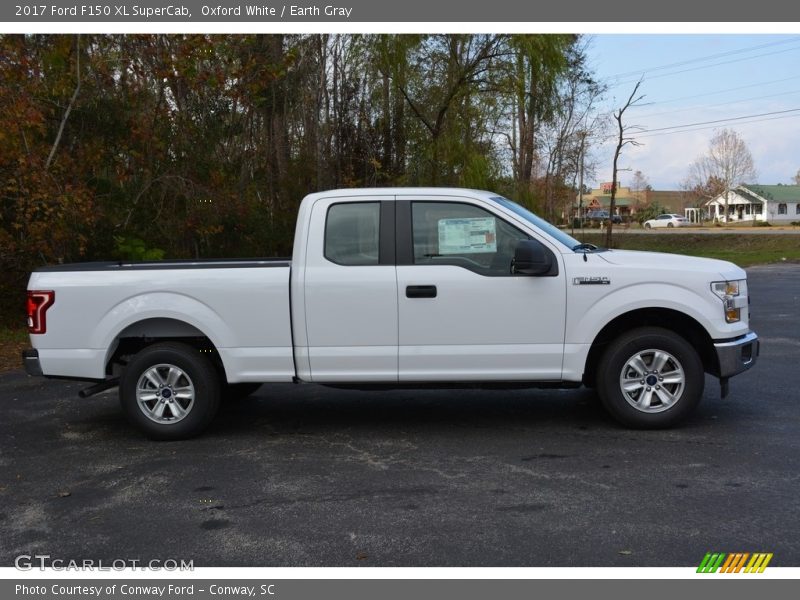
(763, 224)
(133, 248)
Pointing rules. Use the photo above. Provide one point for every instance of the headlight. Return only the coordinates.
(728, 292)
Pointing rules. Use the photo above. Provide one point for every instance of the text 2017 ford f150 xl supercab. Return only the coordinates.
(397, 287)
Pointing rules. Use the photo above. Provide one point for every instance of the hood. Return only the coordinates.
(674, 262)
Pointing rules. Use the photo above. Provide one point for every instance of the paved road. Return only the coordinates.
(698, 231)
(308, 476)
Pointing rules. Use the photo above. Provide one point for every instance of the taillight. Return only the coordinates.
(38, 303)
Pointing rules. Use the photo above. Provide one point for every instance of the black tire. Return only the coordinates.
(197, 371)
(670, 225)
(239, 391)
(647, 226)
(659, 414)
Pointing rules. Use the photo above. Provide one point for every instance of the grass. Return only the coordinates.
(13, 340)
(743, 250)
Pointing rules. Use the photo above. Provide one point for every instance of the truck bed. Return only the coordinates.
(240, 305)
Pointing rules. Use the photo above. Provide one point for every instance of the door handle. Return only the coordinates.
(421, 291)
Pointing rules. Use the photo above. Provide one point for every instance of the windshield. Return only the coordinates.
(548, 228)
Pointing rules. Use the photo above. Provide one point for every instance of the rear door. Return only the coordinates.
(350, 290)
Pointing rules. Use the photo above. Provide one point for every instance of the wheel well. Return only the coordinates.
(147, 332)
(676, 321)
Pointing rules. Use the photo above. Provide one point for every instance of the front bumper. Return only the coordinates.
(30, 360)
(737, 355)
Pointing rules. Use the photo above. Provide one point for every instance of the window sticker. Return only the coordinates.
(467, 236)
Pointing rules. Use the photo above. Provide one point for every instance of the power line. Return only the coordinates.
(714, 126)
(702, 106)
(776, 112)
(714, 93)
(702, 58)
(719, 64)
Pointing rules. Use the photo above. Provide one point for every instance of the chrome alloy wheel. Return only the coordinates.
(652, 380)
(165, 394)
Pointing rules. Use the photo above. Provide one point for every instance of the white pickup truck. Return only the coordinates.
(416, 287)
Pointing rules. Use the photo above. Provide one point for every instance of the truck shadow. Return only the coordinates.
(289, 409)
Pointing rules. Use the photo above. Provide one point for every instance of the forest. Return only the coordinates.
(153, 146)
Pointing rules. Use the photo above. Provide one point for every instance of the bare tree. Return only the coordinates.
(624, 138)
(796, 178)
(727, 163)
(639, 183)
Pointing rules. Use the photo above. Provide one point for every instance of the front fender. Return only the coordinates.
(624, 299)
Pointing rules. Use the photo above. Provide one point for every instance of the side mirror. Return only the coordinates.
(532, 258)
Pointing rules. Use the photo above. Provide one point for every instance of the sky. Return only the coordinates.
(696, 79)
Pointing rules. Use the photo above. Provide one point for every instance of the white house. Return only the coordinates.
(772, 203)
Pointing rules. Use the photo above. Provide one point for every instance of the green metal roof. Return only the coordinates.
(620, 202)
(775, 193)
(747, 194)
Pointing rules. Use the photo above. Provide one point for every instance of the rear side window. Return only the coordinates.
(352, 233)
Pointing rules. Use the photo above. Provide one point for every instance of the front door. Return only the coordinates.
(463, 316)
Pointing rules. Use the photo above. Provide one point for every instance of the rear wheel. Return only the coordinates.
(170, 391)
(650, 378)
(647, 226)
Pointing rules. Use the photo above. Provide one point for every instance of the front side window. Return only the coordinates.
(352, 232)
(452, 233)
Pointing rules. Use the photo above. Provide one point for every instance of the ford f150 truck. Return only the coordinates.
(397, 287)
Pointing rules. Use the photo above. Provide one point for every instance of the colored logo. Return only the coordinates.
(735, 562)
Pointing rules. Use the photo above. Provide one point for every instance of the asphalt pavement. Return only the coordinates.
(308, 476)
(698, 230)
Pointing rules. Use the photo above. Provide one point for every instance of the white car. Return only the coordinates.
(670, 220)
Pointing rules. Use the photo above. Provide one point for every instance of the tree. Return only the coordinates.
(651, 211)
(639, 183)
(190, 145)
(727, 163)
(796, 178)
(624, 138)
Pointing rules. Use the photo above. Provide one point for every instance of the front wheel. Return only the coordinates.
(650, 378)
(670, 225)
(170, 391)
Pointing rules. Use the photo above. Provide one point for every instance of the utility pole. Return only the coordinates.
(580, 185)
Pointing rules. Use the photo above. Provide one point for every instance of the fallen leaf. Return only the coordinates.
(625, 552)
(361, 556)
(64, 494)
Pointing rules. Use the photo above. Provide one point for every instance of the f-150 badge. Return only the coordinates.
(591, 281)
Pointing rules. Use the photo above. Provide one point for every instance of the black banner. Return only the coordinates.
(471, 11)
